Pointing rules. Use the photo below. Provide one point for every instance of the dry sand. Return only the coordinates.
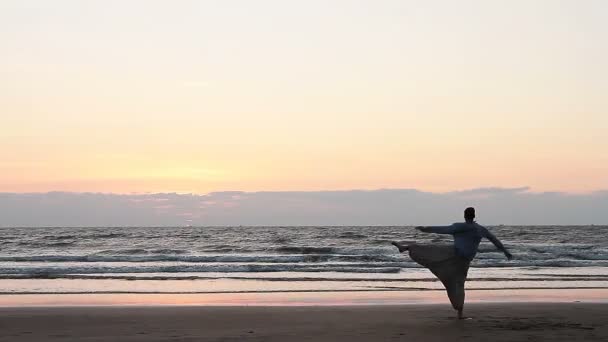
(429, 322)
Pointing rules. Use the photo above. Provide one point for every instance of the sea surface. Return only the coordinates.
(284, 259)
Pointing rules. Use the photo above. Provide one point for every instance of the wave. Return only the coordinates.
(42, 271)
(105, 236)
(126, 251)
(305, 250)
(288, 279)
(62, 237)
(539, 263)
(351, 235)
(281, 239)
(387, 250)
(61, 244)
(372, 289)
(46, 244)
(143, 256)
(370, 260)
(48, 269)
(140, 251)
(85, 236)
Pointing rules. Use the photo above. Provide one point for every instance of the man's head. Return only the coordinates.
(469, 214)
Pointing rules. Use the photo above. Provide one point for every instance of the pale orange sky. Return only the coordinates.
(200, 96)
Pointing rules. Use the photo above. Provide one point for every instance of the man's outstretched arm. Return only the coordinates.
(451, 229)
(497, 243)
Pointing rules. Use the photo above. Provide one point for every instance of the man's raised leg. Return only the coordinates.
(402, 248)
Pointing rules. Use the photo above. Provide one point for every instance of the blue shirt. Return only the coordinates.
(467, 237)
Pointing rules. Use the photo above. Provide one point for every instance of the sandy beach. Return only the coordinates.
(428, 322)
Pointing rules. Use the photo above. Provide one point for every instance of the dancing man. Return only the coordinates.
(451, 263)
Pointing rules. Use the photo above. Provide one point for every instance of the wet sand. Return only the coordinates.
(304, 298)
(426, 322)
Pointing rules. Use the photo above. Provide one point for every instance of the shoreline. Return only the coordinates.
(380, 289)
(303, 298)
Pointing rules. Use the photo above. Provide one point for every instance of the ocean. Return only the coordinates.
(284, 259)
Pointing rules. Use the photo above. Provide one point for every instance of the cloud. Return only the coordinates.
(353, 207)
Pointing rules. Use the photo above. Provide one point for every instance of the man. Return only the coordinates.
(451, 263)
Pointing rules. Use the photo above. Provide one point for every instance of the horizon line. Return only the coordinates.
(519, 189)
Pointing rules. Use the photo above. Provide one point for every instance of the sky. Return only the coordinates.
(202, 97)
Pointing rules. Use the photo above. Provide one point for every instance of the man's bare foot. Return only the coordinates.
(401, 247)
(461, 315)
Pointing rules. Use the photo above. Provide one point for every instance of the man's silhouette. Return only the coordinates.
(451, 263)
